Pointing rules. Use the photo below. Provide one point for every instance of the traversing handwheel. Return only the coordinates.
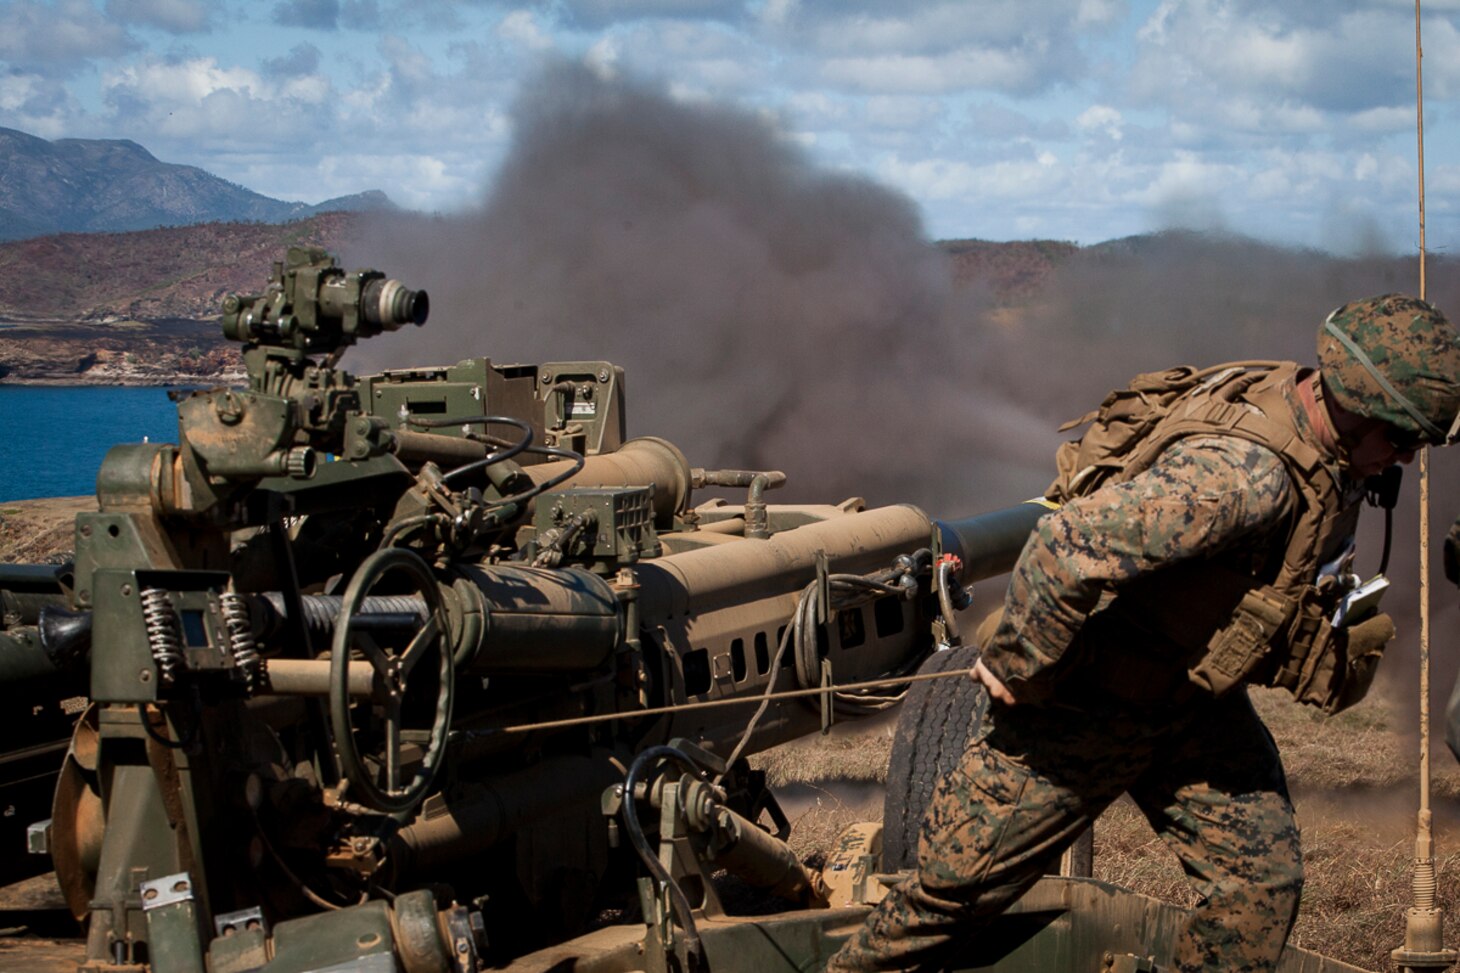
(394, 652)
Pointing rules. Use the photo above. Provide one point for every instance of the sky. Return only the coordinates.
(1081, 120)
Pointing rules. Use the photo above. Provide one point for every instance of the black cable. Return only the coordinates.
(677, 897)
(540, 488)
(524, 443)
(1388, 536)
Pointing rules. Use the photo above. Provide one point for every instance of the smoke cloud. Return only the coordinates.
(770, 315)
(773, 315)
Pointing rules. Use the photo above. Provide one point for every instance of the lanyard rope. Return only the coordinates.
(712, 703)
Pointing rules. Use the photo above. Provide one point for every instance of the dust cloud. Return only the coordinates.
(775, 315)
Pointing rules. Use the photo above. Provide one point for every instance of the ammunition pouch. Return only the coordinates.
(1288, 642)
(1333, 668)
(1239, 649)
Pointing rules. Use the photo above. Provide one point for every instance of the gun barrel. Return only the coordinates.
(989, 544)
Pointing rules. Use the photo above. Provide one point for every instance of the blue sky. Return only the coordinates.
(1082, 120)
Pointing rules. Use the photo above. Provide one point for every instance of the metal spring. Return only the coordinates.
(241, 642)
(163, 637)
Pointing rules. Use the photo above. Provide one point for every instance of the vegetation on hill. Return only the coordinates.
(138, 308)
(1011, 271)
(149, 275)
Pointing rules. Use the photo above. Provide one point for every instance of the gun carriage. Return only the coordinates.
(411, 654)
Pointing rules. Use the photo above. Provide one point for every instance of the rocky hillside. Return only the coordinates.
(1011, 271)
(174, 272)
(142, 307)
(107, 185)
(137, 308)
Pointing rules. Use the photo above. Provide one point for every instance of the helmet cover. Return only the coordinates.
(1396, 359)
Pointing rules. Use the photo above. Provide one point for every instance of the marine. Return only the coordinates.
(1203, 544)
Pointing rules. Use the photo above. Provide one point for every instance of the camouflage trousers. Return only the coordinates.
(1207, 777)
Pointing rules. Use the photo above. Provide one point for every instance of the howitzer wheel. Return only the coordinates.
(382, 789)
(938, 719)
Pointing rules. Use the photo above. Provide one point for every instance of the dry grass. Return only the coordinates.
(1358, 874)
(852, 751)
(1353, 782)
(40, 531)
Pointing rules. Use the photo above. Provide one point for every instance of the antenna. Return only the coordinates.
(1424, 921)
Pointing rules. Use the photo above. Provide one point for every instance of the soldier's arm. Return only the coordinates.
(1202, 497)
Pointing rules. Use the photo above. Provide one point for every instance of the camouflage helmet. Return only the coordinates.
(1396, 359)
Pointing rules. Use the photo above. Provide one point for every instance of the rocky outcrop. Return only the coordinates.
(182, 353)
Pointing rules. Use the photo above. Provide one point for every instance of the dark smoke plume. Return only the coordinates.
(773, 315)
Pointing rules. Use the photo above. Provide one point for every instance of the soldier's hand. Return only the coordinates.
(992, 683)
(1452, 554)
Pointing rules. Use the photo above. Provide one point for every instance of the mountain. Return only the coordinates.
(179, 272)
(114, 185)
(139, 307)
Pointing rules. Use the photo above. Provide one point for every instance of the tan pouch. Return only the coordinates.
(1240, 647)
(1340, 664)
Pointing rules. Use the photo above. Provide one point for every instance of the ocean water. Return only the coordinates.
(54, 438)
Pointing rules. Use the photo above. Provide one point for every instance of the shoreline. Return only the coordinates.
(198, 381)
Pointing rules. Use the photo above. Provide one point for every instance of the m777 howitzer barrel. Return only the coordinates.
(987, 544)
(706, 596)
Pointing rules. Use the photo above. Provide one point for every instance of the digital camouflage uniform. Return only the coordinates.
(1105, 705)
(1204, 771)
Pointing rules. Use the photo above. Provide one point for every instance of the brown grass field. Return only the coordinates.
(1353, 779)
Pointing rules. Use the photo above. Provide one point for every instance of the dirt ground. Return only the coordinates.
(39, 531)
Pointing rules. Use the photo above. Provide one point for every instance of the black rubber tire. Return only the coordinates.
(938, 718)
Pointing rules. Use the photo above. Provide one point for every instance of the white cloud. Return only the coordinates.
(1187, 177)
(903, 112)
(954, 179)
(181, 83)
(601, 13)
(317, 14)
(962, 70)
(57, 38)
(174, 16)
(522, 27)
(892, 47)
(1101, 118)
(1194, 55)
(603, 57)
(700, 59)
(1382, 121)
(775, 14)
(1099, 12)
(38, 105)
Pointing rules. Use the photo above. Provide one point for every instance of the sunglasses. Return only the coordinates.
(1404, 440)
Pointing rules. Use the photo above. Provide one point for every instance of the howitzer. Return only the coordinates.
(404, 671)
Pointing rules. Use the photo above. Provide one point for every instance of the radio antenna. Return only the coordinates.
(1424, 921)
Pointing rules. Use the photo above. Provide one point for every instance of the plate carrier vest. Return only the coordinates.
(1273, 631)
